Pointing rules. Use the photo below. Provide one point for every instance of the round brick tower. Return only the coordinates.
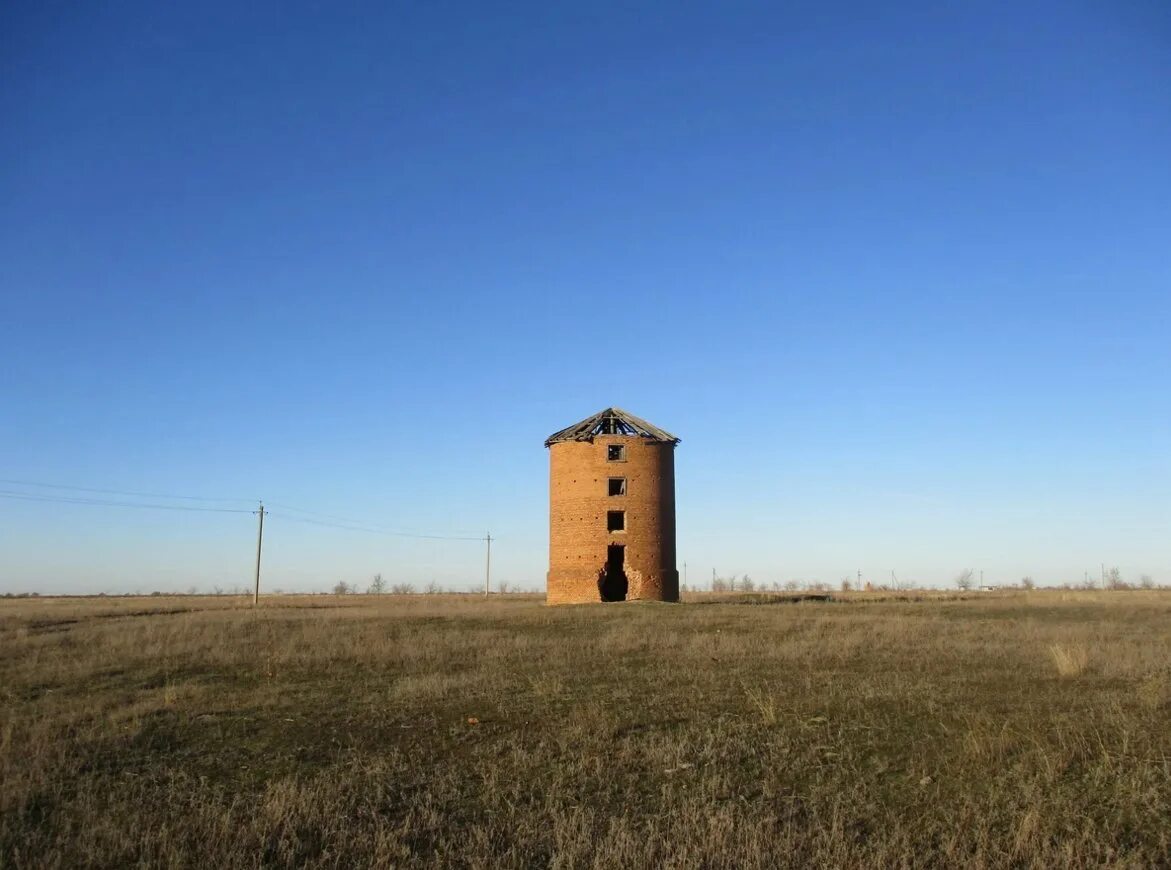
(611, 511)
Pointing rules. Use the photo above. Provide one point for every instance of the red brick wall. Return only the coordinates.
(578, 502)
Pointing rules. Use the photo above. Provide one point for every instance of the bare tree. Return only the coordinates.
(965, 579)
(1146, 582)
(432, 588)
(342, 588)
(1114, 579)
(377, 585)
(747, 584)
(402, 589)
(1027, 583)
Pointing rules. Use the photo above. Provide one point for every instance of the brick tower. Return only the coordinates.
(611, 511)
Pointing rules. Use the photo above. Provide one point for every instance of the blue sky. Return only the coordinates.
(898, 274)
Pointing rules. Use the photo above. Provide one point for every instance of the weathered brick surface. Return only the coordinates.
(579, 476)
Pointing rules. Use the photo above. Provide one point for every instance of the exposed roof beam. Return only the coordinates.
(613, 421)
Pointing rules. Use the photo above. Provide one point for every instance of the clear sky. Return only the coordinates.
(899, 275)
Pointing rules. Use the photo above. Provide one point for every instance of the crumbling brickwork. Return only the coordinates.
(584, 562)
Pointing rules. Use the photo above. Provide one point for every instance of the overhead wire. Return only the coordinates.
(356, 528)
(120, 491)
(340, 522)
(99, 502)
(286, 507)
(61, 499)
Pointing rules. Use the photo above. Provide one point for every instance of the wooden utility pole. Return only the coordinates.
(259, 545)
(488, 565)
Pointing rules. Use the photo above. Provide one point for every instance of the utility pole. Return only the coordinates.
(488, 565)
(684, 573)
(259, 545)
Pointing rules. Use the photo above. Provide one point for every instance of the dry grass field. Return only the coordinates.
(1026, 730)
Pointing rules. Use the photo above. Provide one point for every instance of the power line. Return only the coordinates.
(310, 522)
(298, 510)
(341, 522)
(119, 491)
(62, 499)
(348, 522)
(356, 528)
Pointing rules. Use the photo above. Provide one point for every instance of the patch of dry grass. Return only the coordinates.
(1071, 660)
(412, 731)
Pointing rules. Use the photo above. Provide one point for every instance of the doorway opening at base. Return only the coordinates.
(612, 583)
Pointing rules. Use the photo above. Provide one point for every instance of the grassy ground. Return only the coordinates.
(1027, 730)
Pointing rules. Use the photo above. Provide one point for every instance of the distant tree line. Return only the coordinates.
(965, 580)
(379, 586)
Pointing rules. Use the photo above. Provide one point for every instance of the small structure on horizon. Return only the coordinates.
(611, 511)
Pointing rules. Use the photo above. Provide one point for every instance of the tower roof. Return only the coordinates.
(611, 421)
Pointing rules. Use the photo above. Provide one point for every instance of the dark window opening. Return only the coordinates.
(615, 521)
(617, 486)
(615, 452)
(612, 583)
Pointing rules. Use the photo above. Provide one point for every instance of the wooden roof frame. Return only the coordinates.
(612, 421)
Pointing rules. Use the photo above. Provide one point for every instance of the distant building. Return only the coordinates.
(611, 511)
